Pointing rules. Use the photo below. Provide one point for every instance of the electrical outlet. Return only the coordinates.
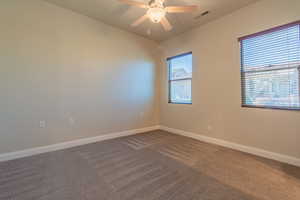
(209, 128)
(71, 121)
(142, 114)
(42, 124)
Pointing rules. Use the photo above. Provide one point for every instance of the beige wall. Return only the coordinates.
(216, 110)
(59, 66)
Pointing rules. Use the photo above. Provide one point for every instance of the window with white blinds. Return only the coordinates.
(271, 68)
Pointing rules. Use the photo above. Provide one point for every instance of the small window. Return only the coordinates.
(271, 68)
(180, 79)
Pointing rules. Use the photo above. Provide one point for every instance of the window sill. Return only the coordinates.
(179, 103)
(271, 108)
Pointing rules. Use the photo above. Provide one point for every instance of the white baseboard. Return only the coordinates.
(65, 145)
(252, 150)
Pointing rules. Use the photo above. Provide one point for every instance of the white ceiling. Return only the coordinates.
(121, 15)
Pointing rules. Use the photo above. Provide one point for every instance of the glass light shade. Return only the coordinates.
(156, 14)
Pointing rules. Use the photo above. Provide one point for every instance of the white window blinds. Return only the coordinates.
(271, 68)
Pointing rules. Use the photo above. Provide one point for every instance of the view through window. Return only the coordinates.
(180, 79)
(271, 68)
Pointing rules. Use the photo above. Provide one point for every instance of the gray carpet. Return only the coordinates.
(150, 166)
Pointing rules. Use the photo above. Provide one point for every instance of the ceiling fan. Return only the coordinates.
(156, 12)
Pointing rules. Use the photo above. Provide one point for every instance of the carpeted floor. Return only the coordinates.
(150, 166)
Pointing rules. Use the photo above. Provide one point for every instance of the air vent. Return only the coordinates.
(202, 14)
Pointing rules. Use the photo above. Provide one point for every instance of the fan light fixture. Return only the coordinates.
(156, 14)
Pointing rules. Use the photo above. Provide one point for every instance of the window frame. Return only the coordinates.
(243, 92)
(170, 81)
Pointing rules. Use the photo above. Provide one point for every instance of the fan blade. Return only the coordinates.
(134, 3)
(166, 24)
(139, 20)
(181, 9)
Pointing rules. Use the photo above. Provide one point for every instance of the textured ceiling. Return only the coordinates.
(121, 15)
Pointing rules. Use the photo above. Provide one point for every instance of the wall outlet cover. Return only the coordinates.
(43, 124)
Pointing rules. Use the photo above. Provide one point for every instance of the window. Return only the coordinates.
(180, 79)
(271, 68)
